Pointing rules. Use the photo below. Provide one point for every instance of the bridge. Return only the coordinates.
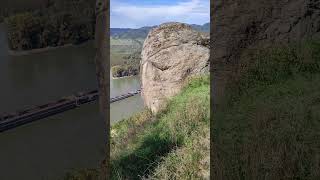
(19, 118)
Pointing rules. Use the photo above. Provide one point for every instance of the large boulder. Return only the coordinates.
(171, 53)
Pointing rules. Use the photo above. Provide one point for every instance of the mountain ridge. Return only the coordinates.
(136, 33)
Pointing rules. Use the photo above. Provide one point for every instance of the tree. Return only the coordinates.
(102, 71)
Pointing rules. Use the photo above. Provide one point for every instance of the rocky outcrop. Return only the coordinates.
(171, 53)
(240, 25)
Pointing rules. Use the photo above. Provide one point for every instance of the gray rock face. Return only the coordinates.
(243, 24)
(171, 52)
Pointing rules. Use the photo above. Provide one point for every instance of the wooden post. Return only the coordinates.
(102, 70)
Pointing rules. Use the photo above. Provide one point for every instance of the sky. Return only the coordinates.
(140, 13)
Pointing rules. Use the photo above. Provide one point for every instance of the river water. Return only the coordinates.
(48, 148)
(123, 109)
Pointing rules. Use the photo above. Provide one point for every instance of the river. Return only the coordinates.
(48, 148)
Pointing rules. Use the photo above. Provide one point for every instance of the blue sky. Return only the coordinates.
(139, 13)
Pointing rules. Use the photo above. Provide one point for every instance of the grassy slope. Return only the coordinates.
(269, 127)
(172, 145)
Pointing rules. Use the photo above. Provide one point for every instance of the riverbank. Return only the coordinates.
(46, 49)
(35, 51)
(125, 70)
(123, 77)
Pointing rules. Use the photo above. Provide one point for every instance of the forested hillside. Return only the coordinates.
(54, 23)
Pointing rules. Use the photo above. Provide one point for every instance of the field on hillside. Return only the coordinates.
(123, 47)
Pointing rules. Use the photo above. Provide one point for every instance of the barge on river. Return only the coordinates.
(9, 121)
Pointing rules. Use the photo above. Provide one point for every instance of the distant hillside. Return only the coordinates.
(202, 28)
(129, 33)
(117, 31)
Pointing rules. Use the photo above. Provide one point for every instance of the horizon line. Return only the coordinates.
(155, 25)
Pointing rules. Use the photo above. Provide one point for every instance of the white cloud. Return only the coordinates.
(130, 15)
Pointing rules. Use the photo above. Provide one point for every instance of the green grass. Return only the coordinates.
(269, 126)
(174, 144)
